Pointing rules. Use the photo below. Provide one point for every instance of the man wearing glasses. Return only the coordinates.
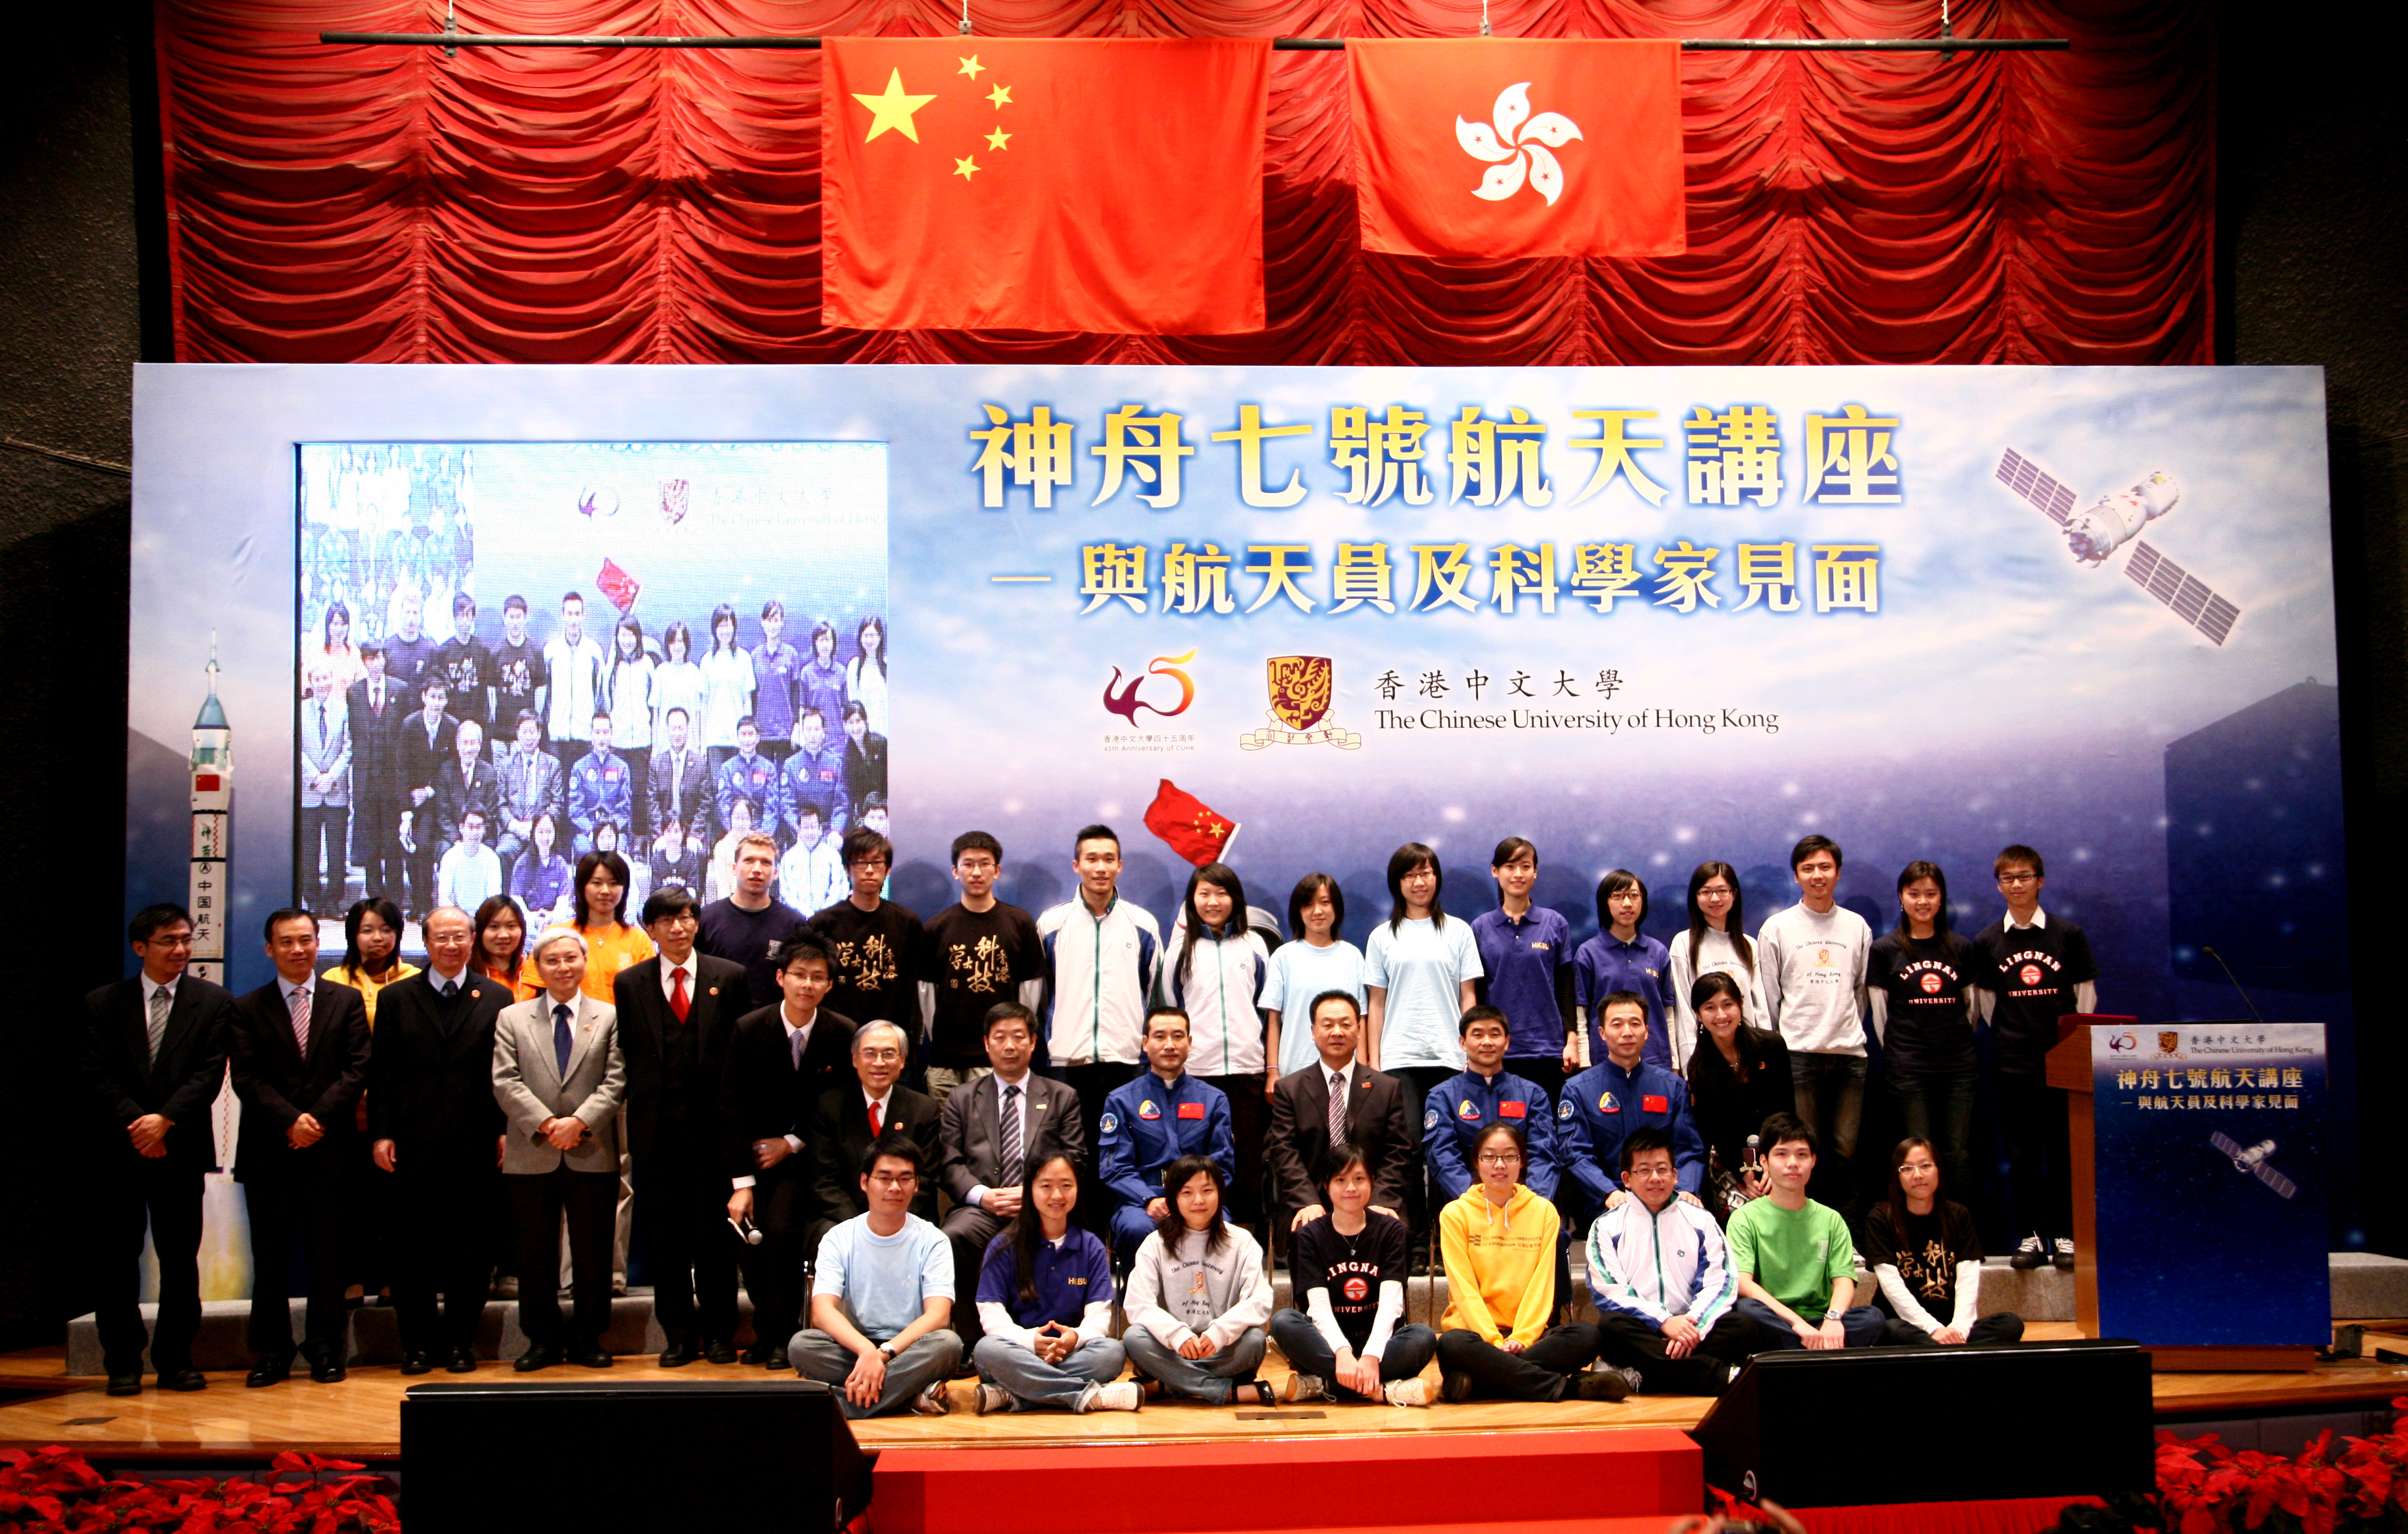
(856, 1115)
(877, 942)
(2028, 970)
(882, 1295)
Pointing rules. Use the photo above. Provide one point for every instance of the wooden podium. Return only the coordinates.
(2068, 1066)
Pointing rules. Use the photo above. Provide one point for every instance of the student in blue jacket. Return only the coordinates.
(1152, 1122)
(1605, 1103)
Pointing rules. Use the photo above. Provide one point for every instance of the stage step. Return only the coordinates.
(1629, 1478)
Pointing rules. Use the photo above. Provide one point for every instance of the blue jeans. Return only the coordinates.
(1831, 1099)
(1410, 1349)
(1939, 1105)
(1033, 1382)
(1215, 1378)
(1863, 1324)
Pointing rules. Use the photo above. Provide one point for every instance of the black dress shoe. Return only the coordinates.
(676, 1356)
(461, 1361)
(535, 1358)
(124, 1384)
(417, 1363)
(183, 1379)
(758, 1355)
(269, 1371)
(718, 1352)
(590, 1357)
(326, 1371)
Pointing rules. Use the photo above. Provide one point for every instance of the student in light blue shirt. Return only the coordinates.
(1419, 971)
(883, 1298)
(1315, 960)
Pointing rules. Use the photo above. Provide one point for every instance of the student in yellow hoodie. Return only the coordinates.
(1500, 1242)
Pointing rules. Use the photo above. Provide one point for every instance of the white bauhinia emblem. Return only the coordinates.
(1517, 146)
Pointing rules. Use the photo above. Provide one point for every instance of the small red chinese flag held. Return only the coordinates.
(618, 585)
(1489, 149)
(1108, 185)
(1190, 825)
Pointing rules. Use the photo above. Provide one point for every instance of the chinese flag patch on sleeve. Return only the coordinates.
(1652, 1104)
(1191, 1110)
(1513, 1110)
(1490, 148)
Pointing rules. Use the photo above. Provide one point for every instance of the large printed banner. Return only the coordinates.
(1645, 618)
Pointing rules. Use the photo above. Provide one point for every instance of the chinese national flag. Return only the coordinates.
(1090, 184)
(1190, 825)
(618, 585)
(1493, 148)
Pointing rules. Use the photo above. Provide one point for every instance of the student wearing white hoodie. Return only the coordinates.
(1197, 1297)
(1663, 1282)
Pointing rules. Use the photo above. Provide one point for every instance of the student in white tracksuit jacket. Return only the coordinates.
(1214, 967)
(1662, 1281)
(1198, 1301)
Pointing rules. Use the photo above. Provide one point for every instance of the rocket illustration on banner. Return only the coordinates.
(212, 771)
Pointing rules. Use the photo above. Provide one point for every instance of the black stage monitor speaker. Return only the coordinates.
(772, 1454)
(1934, 1425)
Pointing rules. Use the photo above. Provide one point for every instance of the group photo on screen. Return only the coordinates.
(511, 656)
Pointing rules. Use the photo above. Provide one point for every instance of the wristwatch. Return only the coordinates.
(886, 1350)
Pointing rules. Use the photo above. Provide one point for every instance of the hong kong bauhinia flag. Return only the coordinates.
(1492, 148)
(1109, 185)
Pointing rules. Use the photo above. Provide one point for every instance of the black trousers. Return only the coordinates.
(1093, 1083)
(299, 1208)
(1249, 1118)
(970, 1230)
(164, 1197)
(376, 845)
(1629, 1343)
(2005, 1326)
(689, 1246)
(443, 1251)
(1544, 1372)
(2032, 1117)
(1543, 1071)
(1419, 1082)
(785, 1213)
(537, 1201)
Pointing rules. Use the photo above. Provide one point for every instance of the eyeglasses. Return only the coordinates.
(1500, 1158)
(895, 1180)
(2018, 878)
(881, 1055)
(871, 862)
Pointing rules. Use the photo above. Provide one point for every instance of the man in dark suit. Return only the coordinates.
(676, 1014)
(989, 1132)
(466, 782)
(423, 750)
(300, 1054)
(438, 1131)
(678, 787)
(376, 709)
(780, 1060)
(1369, 1108)
(154, 1053)
(851, 1114)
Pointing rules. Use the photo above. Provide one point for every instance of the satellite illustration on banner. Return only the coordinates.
(2114, 519)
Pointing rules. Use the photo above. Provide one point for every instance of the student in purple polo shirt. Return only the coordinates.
(1621, 958)
(1527, 951)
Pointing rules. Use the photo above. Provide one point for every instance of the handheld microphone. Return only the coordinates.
(2236, 984)
(746, 1231)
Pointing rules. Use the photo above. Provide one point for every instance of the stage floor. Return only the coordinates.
(360, 1417)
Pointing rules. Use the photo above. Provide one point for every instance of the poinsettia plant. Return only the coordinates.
(2205, 1487)
(57, 1489)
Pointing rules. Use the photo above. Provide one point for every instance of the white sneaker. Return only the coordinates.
(990, 1399)
(1406, 1392)
(1304, 1387)
(2065, 1254)
(2030, 1254)
(1120, 1396)
(932, 1402)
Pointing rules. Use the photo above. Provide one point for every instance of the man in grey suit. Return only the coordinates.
(325, 737)
(528, 785)
(559, 1076)
(985, 1158)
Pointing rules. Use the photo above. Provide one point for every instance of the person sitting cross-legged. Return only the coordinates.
(1045, 1307)
(882, 1294)
(1662, 1278)
(1347, 1266)
(1197, 1297)
(1927, 1256)
(1795, 1263)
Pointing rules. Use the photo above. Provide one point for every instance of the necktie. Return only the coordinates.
(873, 1120)
(795, 1042)
(1337, 1108)
(160, 999)
(321, 726)
(1012, 1170)
(560, 1037)
(301, 1020)
(450, 989)
(679, 1000)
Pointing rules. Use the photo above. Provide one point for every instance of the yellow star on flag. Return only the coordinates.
(999, 139)
(1000, 95)
(970, 66)
(893, 108)
(966, 168)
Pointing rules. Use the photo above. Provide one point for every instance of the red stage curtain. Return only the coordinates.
(538, 206)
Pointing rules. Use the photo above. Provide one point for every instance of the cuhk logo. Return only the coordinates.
(1519, 148)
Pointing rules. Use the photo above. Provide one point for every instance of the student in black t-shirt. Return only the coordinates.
(1349, 1267)
(1927, 1256)
(465, 662)
(2028, 970)
(1920, 977)
(978, 951)
(518, 669)
(749, 926)
(877, 942)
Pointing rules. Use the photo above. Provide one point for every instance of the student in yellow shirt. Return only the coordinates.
(600, 916)
(1500, 1243)
(371, 951)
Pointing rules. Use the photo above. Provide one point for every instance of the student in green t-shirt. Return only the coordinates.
(1795, 1263)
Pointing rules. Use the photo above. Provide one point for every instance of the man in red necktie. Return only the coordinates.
(852, 1114)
